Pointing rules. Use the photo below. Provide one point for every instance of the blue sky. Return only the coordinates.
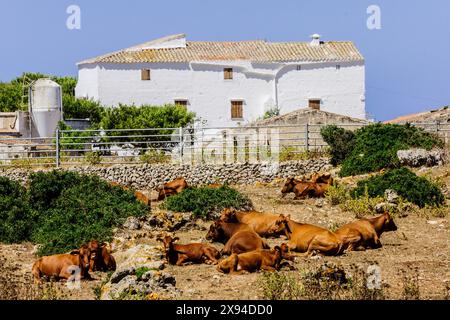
(407, 66)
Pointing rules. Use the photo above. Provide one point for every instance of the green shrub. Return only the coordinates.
(45, 188)
(341, 142)
(204, 201)
(15, 213)
(83, 208)
(154, 156)
(75, 108)
(10, 97)
(337, 194)
(408, 185)
(133, 117)
(93, 158)
(375, 147)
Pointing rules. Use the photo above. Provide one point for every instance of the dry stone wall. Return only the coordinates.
(146, 176)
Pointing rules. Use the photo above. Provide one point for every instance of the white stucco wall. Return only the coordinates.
(209, 95)
(340, 90)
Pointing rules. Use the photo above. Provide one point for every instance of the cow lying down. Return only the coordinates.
(194, 252)
(63, 266)
(365, 233)
(261, 259)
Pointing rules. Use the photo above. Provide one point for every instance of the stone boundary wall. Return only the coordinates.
(146, 176)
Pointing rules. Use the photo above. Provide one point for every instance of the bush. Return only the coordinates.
(204, 201)
(62, 210)
(10, 97)
(15, 214)
(83, 208)
(133, 117)
(337, 194)
(375, 147)
(341, 142)
(408, 185)
(82, 109)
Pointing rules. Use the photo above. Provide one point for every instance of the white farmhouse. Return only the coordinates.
(227, 83)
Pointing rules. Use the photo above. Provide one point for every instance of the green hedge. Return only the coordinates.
(61, 210)
(341, 142)
(15, 213)
(408, 185)
(204, 201)
(375, 147)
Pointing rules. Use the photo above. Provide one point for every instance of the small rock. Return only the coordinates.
(120, 274)
(132, 223)
(391, 196)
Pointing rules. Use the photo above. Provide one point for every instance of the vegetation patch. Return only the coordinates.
(62, 210)
(15, 212)
(204, 201)
(407, 184)
(374, 147)
(340, 141)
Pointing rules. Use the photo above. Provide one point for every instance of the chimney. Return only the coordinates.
(315, 40)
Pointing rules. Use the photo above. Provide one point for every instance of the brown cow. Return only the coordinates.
(238, 237)
(63, 266)
(221, 231)
(365, 233)
(171, 188)
(322, 178)
(194, 252)
(101, 257)
(264, 224)
(252, 261)
(307, 239)
(302, 189)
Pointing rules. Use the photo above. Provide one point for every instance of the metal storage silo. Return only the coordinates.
(45, 101)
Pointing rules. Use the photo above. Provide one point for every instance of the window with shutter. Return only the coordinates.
(145, 74)
(237, 110)
(314, 104)
(181, 102)
(228, 73)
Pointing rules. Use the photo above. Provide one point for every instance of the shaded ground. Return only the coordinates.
(419, 243)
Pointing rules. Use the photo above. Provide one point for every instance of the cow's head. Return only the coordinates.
(228, 215)
(215, 232)
(167, 241)
(389, 224)
(85, 255)
(289, 186)
(280, 225)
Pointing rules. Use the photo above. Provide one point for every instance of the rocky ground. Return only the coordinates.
(421, 246)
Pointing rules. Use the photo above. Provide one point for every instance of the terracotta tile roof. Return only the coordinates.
(255, 51)
(442, 115)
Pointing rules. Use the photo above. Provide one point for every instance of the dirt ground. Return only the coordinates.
(418, 243)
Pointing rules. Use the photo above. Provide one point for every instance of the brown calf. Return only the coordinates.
(195, 252)
(252, 261)
(307, 239)
(63, 266)
(264, 224)
(244, 241)
(171, 188)
(101, 257)
(365, 233)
